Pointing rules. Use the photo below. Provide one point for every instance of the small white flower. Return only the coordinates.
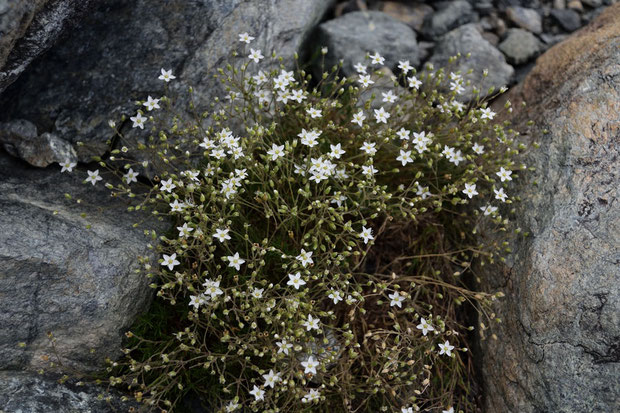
(365, 81)
(504, 174)
(311, 323)
(67, 166)
(271, 379)
(488, 210)
(257, 292)
(403, 134)
(260, 78)
(369, 148)
(184, 231)
(232, 406)
(245, 38)
(305, 257)
(336, 151)
(404, 66)
(388, 97)
(284, 346)
(405, 157)
(381, 115)
(255, 55)
(151, 104)
(366, 234)
(396, 299)
(457, 87)
(130, 176)
(221, 234)
(360, 68)
(487, 113)
(450, 410)
(311, 396)
(406, 410)
(170, 261)
(295, 280)
(369, 170)
(310, 365)
(470, 190)
(277, 151)
(500, 194)
(314, 113)
(167, 186)
(166, 75)
(377, 59)
(212, 288)
(446, 348)
(479, 149)
(138, 121)
(235, 261)
(93, 177)
(336, 296)
(359, 118)
(414, 82)
(177, 206)
(258, 393)
(425, 326)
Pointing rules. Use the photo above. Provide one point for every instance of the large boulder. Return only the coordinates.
(58, 276)
(558, 348)
(114, 59)
(29, 28)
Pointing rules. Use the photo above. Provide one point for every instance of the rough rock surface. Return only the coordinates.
(567, 18)
(24, 392)
(58, 276)
(114, 58)
(29, 28)
(450, 14)
(528, 19)
(558, 346)
(467, 39)
(351, 37)
(520, 46)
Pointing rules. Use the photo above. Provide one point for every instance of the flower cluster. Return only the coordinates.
(324, 238)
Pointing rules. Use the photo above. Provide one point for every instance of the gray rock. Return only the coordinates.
(114, 59)
(410, 14)
(20, 139)
(520, 46)
(467, 39)
(31, 27)
(58, 276)
(567, 18)
(592, 3)
(351, 37)
(557, 348)
(449, 15)
(527, 19)
(23, 392)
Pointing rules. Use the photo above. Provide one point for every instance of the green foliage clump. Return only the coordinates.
(327, 233)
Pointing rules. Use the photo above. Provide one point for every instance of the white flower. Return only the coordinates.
(487, 114)
(271, 378)
(232, 406)
(288, 76)
(360, 68)
(381, 115)
(366, 234)
(260, 78)
(305, 257)
(314, 113)
(338, 200)
(138, 121)
(221, 234)
(359, 118)
(369, 148)
(184, 231)
(336, 296)
(170, 261)
(422, 191)
(310, 365)
(406, 410)
(151, 104)
(311, 323)
(388, 97)
(500, 194)
(276, 151)
(404, 66)
(336, 151)
(479, 149)
(166, 75)
(284, 346)
(197, 300)
(425, 326)
(488, 210)
(405, 157)
(177, 206)
(457, 87)
(309, 138)
(403, 134)
(414, 82)
(297, 95)
(245, 38)
(446, 348)
(396, 299)
(369, 170)
(280, 83)
(365, 81)
(255, 55)
(504, 174)
(257, 292)
(67, 166)
(450, 410)
(311, 396)
(377, 59)
(93, 177)
(130, 176)
(235, 261)
(470, 190)
(167, 186)
(295, 280)
(258, 393)
(212, 288)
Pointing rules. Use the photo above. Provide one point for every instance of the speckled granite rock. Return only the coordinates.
(58, 276)
(558, 346)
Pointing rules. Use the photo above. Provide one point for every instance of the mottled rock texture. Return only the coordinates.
(58, 276)
(23, 392)
(558, 346)
(114, 58)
